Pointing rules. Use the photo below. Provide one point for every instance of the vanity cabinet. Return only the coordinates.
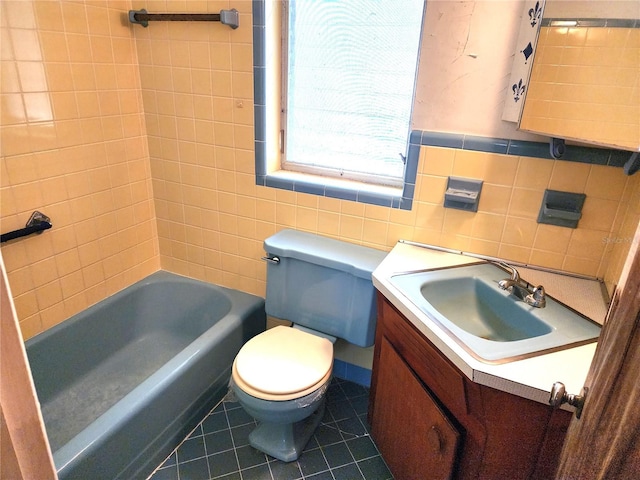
(430, 421)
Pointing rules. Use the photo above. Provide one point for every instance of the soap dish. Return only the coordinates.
(463, 194)
(563, 209)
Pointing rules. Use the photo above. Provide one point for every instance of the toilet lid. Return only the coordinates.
(284, 360)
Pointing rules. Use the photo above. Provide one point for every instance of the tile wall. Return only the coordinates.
(74, 147)
(88, 168)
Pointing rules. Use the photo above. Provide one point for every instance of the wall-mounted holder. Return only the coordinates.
(463, 194)
(563, 209)
(226, 17)
(557, 147)
(38, 222)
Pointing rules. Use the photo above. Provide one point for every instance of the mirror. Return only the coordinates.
(585, 79)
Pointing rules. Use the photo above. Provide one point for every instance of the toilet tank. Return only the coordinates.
(323, 284)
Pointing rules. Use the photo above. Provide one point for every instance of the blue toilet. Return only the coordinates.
(280, 377)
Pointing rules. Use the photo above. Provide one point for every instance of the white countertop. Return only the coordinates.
(530, 378)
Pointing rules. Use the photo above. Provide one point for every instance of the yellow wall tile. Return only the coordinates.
(176, 188)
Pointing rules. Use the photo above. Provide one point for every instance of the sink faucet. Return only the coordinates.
(535, 297)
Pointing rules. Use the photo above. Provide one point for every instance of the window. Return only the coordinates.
(334, 93)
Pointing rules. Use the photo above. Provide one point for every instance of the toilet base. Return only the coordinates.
(285, 441)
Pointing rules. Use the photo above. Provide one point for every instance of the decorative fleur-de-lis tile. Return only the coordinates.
(522, 60)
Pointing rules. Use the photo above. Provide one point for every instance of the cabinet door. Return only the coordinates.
(414, 436)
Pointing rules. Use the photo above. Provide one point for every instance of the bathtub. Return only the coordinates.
(121, 383)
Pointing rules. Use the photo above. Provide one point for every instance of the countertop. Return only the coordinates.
(530, 378)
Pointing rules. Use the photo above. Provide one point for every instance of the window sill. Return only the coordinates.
(391, 197)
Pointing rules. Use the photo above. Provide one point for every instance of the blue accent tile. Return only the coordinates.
(415, 137)
(486, 144)
(259, 93)
(373, 199)
(259, 51)
(258, 12)
(618, 158)
(260, 127)
(339, 368)
(309, 187)
(260, 158)
(341, 193)
(411, 168)
(441, 139)
(575, 153)
(529, 149)
(403, 203)
(282, 183)
(261, 180)
(352, 373)
(408, 191)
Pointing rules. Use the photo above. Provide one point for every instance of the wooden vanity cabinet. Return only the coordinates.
(430, 421)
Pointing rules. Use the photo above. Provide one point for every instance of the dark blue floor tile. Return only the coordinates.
(223, 463)
(341, 410)
(348, 472)
(231, 476)
(191, 449)
(197, 432)
(241, 434)
(375, 469)
(354, 390)
(285, 471)
(351, 428)
(171, 460)
(320, 476)
(215, 422)
(360, 404)
(238, 416)
(168, 473)
(362, 447)
(326, 435)
(312, 461)
(194, 470)
(218, 442)
(261, 472)
(250, 457)
(337, 454)
(340, 449)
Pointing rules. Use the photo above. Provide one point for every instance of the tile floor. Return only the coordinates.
(341, 448)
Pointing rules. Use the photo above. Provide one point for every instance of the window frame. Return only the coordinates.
(268, 44)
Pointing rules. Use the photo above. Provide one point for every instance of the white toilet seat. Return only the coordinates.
(283, 364)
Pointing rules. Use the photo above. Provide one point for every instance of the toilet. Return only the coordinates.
(280, 377)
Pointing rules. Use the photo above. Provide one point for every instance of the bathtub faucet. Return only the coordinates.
(536, 297)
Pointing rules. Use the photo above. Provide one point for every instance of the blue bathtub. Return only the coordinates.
(121, 383)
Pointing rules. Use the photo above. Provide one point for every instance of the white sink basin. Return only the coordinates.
(491, 324)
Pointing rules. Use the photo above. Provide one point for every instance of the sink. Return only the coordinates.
(491, 324)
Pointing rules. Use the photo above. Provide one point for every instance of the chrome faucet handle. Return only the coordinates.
(537, 298)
